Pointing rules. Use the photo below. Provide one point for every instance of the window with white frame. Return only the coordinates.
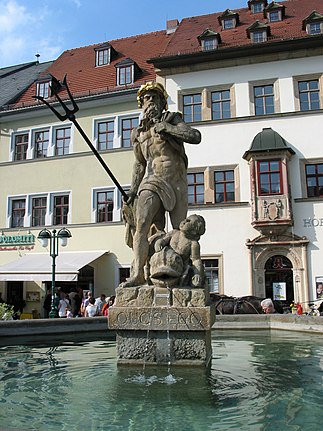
(41, 142)
(257, 7)
(258, 36)
(43, 89)
(314, 28)
(60, 209)
(102, 56)
(107, 204)
(274, 16)
(105, 134)
(62, 140)
(228, 23)
(127, 124)
(21, 142)
(125, 74)
(38, 210)
(17, 212)
(104, 206)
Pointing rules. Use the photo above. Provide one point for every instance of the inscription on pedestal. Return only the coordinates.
(161, 319)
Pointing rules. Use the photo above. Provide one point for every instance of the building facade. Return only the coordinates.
(251, 80)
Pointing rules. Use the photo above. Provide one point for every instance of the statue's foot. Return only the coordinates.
(134, 281)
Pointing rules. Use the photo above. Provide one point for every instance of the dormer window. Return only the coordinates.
(104, 54)
(209, 40)
(258, 32)
(228, 19)
(274, 12)
(257, 6)
(43, 89)
(127, 70)
(43, 86)
(313, 24)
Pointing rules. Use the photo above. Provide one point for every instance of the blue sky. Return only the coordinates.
(49, 27)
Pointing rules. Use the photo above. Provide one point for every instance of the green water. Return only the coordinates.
(258, 381)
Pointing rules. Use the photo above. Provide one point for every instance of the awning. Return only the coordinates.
(38, 266)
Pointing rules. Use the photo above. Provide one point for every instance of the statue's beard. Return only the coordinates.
(151, 112)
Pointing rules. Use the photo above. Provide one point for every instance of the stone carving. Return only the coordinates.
(177, 259)
(159, 182)
(272, 210)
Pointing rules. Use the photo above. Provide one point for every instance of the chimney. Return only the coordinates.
(171, 25)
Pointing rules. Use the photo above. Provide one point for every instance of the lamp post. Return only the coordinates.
(44, 236)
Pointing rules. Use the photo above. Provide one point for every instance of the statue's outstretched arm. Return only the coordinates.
(179, 130)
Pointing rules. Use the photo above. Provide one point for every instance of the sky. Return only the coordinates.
(49, 27)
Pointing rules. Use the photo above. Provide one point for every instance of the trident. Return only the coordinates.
(70, 115)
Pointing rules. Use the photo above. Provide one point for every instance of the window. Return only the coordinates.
(314, 28)
(41, 141)
(274, 16)
(314, 180)
(192, 107)
(103, 56)
(221, 105)
(270, 177)
(257, 7)
(18, 208)
(209, 44)
(258, 36)
(21, 146)
(309, 95)
(39, 207)
(105, 204)
(224, 186)
(211, 268)
(61, 208)
(43, 89)
(124, 75)
(105, 135)
(195, 188)
(127, 124)
(227, 23)
(264, 99)
(62, 141)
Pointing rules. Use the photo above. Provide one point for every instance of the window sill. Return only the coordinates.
(219, 205)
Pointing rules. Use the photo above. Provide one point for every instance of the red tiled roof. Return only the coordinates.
(184, 40)
(84, 78)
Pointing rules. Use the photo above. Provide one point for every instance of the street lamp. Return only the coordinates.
(44, 236)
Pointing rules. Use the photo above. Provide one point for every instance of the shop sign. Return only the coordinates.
(17, 242)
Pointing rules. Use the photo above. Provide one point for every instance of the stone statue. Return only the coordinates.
(159, 181)
(177, 260)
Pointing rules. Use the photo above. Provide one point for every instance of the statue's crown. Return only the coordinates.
(154, 86)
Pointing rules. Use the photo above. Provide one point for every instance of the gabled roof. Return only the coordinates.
(14, 80)
(184, 40)
(86, 79)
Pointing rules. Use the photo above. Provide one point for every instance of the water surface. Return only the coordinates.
(258, 380)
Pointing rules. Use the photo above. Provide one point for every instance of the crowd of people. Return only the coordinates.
(75, 304)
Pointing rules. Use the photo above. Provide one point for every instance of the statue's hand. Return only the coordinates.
(131, 198)
(196, 280)
(161, 127)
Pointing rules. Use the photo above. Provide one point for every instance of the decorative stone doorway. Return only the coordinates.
(267, 254)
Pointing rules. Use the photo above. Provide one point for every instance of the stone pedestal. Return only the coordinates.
(162, 326)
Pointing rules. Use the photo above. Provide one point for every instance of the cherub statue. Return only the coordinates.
(177, 258)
